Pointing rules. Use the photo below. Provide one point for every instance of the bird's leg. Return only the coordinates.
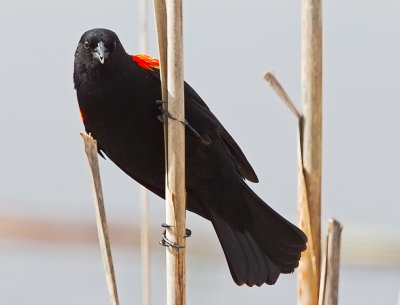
(166, 242)
(165, 113)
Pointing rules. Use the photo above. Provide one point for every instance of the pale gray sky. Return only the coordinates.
(228, 47)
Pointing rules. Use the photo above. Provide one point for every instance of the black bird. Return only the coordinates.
(117, 96)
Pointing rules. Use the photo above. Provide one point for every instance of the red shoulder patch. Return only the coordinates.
(146, 62)
(81, 115)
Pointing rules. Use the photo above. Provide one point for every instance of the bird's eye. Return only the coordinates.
(87, 44)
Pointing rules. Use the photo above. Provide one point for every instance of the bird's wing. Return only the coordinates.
(243, 166)
(198, 105)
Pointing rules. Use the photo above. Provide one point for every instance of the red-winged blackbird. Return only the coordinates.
(117, 96)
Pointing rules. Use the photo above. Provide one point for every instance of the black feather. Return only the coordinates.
(117, 100)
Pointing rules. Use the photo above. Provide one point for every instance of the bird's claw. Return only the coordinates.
(188, 233)
(160, 117)
(166, 113)
(166, 242)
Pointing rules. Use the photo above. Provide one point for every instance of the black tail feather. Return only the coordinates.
(258, 253)
(247, 262)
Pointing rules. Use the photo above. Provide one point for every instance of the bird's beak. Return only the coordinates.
(100, 53)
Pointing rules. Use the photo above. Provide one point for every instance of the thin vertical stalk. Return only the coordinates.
(102, 228)
(144, 196)
(169, 29)
(144, 245)
(329, 288)
(143, 26)
(161, 25)
(311, 142)
(175, 184)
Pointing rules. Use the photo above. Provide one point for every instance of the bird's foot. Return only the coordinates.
(166, 242)
(166, 113)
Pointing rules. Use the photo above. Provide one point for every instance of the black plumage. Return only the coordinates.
(117, 98)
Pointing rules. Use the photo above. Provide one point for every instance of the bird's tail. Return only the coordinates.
(258, 243)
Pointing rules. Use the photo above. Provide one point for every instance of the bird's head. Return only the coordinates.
(97, 47)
